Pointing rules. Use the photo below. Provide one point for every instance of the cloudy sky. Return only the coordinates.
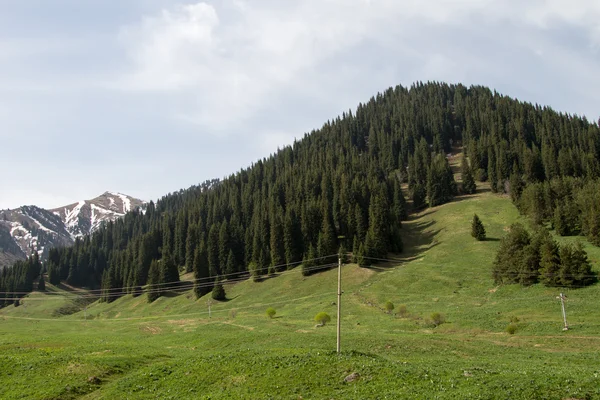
(149, 96)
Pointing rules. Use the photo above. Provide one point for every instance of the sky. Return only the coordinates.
(146, 97)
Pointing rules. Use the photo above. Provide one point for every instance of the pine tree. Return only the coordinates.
(154, 290)
(230, 265)
(277, 246)
(468, 183)
(440, 181)
(399, 204)
(477, 228)
(492, 172)
(218, 292)
(201, 272)
(309, 262)
(291, 239)
(361, 260)
(549, 263)
(213, 250)
(510, 255)
(191, 241)
(419, 196)
(41, 284)
(168, 270)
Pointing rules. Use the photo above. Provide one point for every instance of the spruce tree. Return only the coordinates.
(492, 171)
(278, 259)
(213, 250)
(510, 255)
(230, 267)
(477, 228)
(549, 263)
(218, 292)
(419, 196)
(361, 260)
(468, 182)
(201, 272)
(168, 270)
(154, 289)
(41, 284)
(309, 262)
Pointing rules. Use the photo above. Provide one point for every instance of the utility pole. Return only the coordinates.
(562, 298)
(339, 303)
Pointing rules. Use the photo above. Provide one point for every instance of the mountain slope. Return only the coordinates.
(339, 186)
(30, 229)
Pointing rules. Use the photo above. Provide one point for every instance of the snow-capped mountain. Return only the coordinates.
(30, 228)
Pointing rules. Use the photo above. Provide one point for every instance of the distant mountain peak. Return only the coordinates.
(30, 229)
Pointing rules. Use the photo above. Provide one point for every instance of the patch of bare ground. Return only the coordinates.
(154, 330)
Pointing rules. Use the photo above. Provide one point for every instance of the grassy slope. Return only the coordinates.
(171, 349)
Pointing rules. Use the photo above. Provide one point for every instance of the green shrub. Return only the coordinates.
(322, 318)
(271, 312)
(511, 329)
(389, 306)
(437, 318)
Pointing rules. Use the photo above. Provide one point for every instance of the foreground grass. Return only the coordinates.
(172, 349)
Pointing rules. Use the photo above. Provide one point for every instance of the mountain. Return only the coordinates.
(348, 185)
(31, 228)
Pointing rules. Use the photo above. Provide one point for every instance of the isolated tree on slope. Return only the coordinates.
(477, 229)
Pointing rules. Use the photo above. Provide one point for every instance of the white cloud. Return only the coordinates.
(220, 72)
(254, 74)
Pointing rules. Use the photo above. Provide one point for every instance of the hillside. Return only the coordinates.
(240, 352)
(341, 186)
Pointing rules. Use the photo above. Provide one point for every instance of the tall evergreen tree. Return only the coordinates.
(477, 228)
(468, 182)
(154, 289)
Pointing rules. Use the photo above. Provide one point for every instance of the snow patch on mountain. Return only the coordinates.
(29, 228)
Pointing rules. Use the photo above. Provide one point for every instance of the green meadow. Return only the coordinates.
(173, 348)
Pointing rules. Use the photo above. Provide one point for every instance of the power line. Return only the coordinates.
(178, 287)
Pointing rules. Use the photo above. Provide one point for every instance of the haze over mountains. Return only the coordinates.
(29, 229)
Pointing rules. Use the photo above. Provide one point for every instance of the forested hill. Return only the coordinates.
(343, 180)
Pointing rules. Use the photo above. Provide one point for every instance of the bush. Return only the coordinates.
(437, 319)
(511, 329)
(271, 312)
(402, 311)
(322, 318)
(389, 306)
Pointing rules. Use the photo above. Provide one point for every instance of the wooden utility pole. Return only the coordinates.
(339, 302)
(562, 298)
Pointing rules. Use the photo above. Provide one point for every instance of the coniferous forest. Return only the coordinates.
(341, 186)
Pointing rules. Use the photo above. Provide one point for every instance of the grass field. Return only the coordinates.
(172, 349)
